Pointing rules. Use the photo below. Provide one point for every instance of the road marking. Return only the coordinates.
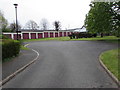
(37, 54)
(19, 70)
(26, 45)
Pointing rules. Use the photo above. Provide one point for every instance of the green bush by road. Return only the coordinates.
(10, 48)
(110, 59)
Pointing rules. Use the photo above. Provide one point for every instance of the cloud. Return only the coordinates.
(71, 13)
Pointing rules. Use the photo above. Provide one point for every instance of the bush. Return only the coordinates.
(5, 37)
(82, 35)
(10, 48)
(6, 29)
(0, 36)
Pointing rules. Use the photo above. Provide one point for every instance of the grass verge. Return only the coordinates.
(110, 59)
(106, 38)
(24, 48)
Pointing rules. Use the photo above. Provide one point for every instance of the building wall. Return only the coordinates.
(37, 35)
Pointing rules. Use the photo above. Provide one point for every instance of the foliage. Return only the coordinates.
(10, 48)
(31, 25)
(0, 36)
(116, 18)
(57, 25)
(4, 37)
(44, 24)
(5, 29)
(103, 17)
(3, 23)
(13, 26)
(82, 35)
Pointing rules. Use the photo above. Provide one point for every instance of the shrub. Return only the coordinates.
(10, 48)
(0, 36)
(4, 37)
(82, 35)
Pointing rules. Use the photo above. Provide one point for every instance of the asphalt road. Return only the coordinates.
(65, 64)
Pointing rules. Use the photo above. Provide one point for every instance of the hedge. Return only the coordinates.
(10, 48)
(82, 35)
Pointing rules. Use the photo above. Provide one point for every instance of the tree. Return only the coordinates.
(99, 18)
(116, 18)
(3, 23)
(44, 24)
(57, 25)
(31, 25)
(13, 25)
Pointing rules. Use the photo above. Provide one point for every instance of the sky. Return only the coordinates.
(71, 13)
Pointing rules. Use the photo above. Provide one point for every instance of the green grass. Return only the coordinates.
(110, 59)
(99, 38)
(48, 39)
(106, 38)
(24, 48)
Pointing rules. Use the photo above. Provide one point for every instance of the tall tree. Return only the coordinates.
(31, 25)
(116, 18)
(13, 26)
(99, 18)
(3, 22)
(44, 24)
(57, 25)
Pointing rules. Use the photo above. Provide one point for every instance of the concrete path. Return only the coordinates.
(65, 64)
(16, 63)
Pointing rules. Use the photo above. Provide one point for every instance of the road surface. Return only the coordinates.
(65, 64)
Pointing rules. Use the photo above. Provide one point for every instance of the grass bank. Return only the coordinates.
(110, 59)
(23, 48)
(106, 38)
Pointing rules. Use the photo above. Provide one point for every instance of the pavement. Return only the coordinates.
(63, 64)
(18, 62)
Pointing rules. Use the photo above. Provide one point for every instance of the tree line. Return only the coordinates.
(31, 25)
(103, 18)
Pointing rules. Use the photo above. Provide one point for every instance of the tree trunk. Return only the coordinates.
(101, 34)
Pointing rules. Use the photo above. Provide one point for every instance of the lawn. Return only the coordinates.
(23, 48)
(47, 39)
(110, 59)
(106, 38)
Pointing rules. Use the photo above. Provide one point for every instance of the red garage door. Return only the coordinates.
(68, 33)
(15, 36)
(45, 34)
(25, 35)
(40, 35)
(60, 33)
(51, 34)
(56, 34)
(33, 35)
(64, 33)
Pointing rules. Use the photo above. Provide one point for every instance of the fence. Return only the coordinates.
(37, 35)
